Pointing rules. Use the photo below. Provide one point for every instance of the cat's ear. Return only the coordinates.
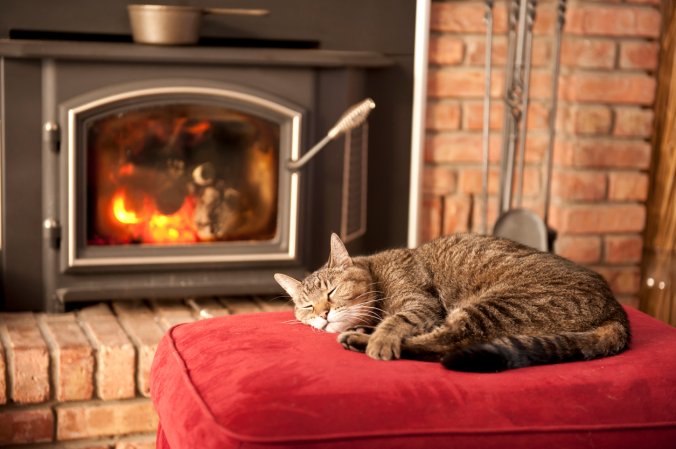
(289, 284)
(339, 256)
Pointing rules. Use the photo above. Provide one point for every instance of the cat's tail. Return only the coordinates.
(526, 350)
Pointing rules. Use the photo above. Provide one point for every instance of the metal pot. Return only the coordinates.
(175, 25)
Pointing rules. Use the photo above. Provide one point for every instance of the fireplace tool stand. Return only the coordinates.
(513, 221)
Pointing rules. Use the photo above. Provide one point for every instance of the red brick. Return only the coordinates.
(145, 333)
(456, 216)
(471, 181)
(430, 218)
(204, 308)
(476, 49)
(627, 186)
(273, 304)
(580, 249)
(137, 443)
(639, 55)
(635, 88)
(169, 313)
(588, 53)
(27, 359)
(96, 311)
(454, 147)
(540, 84)
(97, 419)
(457, 17)
(71, 357)
(597, 218)
(115, 356)
(592, 120)
(3, 377)
(461, 83)
(579, 185)
(446, 50)
(439, 180)
(19, 426)
(538, 114)
(443, 116)
(622, 280)
(615, 20)
(477, 213)
(603, 153)
(633, 122)
(241, 304)
(623, 248)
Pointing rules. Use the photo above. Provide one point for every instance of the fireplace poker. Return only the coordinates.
(488, 66)
(353, 117)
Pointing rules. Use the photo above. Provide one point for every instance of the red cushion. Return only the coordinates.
(257, 381)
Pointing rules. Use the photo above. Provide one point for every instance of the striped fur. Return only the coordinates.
(475, 303)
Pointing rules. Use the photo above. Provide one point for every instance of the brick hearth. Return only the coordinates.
(82, 377)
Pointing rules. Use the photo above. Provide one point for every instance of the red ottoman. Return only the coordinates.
(255, 381)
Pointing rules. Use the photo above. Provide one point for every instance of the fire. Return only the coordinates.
(120, 210)
(150, 226)
(199, 128)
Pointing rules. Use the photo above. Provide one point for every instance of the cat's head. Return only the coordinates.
(337, 297)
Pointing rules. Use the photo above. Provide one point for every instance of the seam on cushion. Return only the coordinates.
(390, 433)
(188, 380)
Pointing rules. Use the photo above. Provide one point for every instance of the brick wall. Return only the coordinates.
(602, 152)
(80, 380)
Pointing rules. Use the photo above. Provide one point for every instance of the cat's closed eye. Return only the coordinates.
(332, 292)
(306, 307)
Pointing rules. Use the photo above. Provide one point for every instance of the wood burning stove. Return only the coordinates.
(133, 171)
(172, 172)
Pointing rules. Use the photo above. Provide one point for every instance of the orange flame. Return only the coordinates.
(198, 128)
(122, 214)
(150, 226)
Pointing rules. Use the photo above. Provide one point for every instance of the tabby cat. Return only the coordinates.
(475, 303)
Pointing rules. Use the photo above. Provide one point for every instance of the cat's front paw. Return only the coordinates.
(354, 340)
(384, 347)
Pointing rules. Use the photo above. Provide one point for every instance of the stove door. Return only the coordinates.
(178, 173)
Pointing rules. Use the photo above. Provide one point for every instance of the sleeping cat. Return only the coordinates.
(475, 303)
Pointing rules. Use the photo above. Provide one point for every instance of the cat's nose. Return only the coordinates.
(324, 314)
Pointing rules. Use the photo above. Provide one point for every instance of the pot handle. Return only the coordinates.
(236, 11)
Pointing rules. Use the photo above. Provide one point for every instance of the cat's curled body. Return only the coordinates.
(475, 303)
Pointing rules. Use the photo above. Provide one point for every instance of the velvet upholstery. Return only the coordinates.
(256, 381)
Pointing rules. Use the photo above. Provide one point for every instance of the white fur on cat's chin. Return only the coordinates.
(328, 325)
(318, 322)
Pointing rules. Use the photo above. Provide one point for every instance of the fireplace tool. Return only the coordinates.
(519, 224)
(353, 117)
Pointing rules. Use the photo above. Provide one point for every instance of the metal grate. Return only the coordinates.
(353, 213)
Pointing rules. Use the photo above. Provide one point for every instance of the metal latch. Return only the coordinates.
(52, 232)
(52, 135)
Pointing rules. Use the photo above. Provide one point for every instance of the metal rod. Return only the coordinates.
(504, 195)
(525, 99)
(560, 22)
(353, 117)
(488, 66)
(297, 165)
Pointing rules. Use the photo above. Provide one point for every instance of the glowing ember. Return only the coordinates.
(120, 210)
(175, 228)
(148, 225)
